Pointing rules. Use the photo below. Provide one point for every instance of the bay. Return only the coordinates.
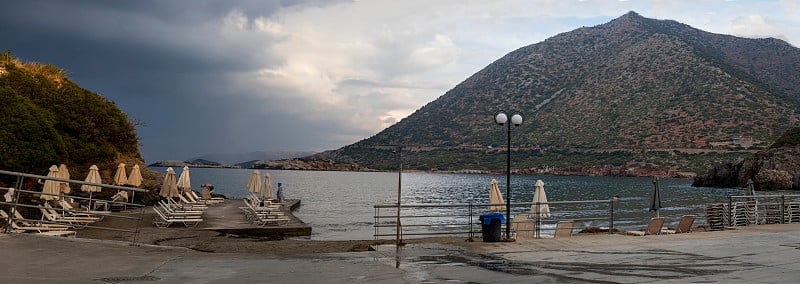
(339, 205)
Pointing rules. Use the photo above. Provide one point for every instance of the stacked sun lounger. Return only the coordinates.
(168, 213)
(190, 203)
(791, 212)
(716, 216)
(263, 213)
(772, 213)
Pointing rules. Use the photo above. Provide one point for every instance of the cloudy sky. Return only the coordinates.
(265, 75)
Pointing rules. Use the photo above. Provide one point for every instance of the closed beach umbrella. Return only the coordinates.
(655, 200)
(93, 177)
(51, 186)
(266, 188)
(254, 183)
(495, 197)
(542, 210)
(135, 178)
(169, 188)
(63, 172)
(184, 181)
(120, 178)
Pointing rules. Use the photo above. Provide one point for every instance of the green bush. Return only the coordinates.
(46, 119)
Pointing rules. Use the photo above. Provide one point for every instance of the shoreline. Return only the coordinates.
(206, 238)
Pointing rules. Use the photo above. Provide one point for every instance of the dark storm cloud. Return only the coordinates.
(162, 62)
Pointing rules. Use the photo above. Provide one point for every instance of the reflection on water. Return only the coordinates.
(339, 205)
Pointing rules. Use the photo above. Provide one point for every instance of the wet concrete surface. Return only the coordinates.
(757, 254)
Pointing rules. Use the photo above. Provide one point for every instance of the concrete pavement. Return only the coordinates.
(756, 254)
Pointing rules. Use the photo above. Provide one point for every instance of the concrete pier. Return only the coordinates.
(227, 218)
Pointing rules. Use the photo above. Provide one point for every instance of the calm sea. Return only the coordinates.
(339, 205)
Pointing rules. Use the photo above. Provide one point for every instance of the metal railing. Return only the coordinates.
(15, 203)
(420, 220)
(743, 210)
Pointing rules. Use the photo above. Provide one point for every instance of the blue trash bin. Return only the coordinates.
(490, 226)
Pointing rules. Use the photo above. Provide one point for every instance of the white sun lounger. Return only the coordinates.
(162, 220)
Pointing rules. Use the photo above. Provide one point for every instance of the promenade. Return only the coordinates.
(755, 254)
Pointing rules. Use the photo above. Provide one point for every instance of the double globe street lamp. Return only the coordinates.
(516, 119)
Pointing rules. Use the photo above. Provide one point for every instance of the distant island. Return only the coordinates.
(283, 164)
(198, 163)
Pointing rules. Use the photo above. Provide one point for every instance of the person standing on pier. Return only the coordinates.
(279, 195)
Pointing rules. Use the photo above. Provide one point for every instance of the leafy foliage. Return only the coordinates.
(47, 119)
(28, 140)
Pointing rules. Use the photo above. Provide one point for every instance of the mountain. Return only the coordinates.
(631, 93)
(234, 158)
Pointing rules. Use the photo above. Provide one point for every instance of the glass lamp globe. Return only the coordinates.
(516, 119)
(501, 118)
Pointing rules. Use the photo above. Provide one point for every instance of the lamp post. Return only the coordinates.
(516, 119)
(398, 239)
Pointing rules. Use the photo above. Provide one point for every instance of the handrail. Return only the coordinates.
(15, 203)
(760, 211)
(3, 172)
(452, 221)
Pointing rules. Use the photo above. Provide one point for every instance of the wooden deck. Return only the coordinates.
(226, 217)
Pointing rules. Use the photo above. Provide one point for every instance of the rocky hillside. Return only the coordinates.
(46, 119)
(629, 93)
(776, 168)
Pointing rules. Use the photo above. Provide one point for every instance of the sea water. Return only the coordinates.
(339, 205)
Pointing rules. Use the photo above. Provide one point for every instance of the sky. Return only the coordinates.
(202, 77)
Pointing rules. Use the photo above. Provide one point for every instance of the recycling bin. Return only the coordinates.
(491, 226)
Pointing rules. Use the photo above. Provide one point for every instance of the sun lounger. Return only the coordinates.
(263, 219)
(185, 206)
(259, 204)
(522, 226)
(176, 212)
(564, 229)
(53, 217)
(63, 213)
(162, 220)
(59, 233)
(32, 223)
(202, 200)
(28, 227)
(194, 205)
(69, 210)
(684, 226)
(192, 198)
(653, 228)
(118, 201)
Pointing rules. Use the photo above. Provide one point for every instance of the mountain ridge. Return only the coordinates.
(634, 83)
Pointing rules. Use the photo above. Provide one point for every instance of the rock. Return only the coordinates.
(773, 180)
(771, 169)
